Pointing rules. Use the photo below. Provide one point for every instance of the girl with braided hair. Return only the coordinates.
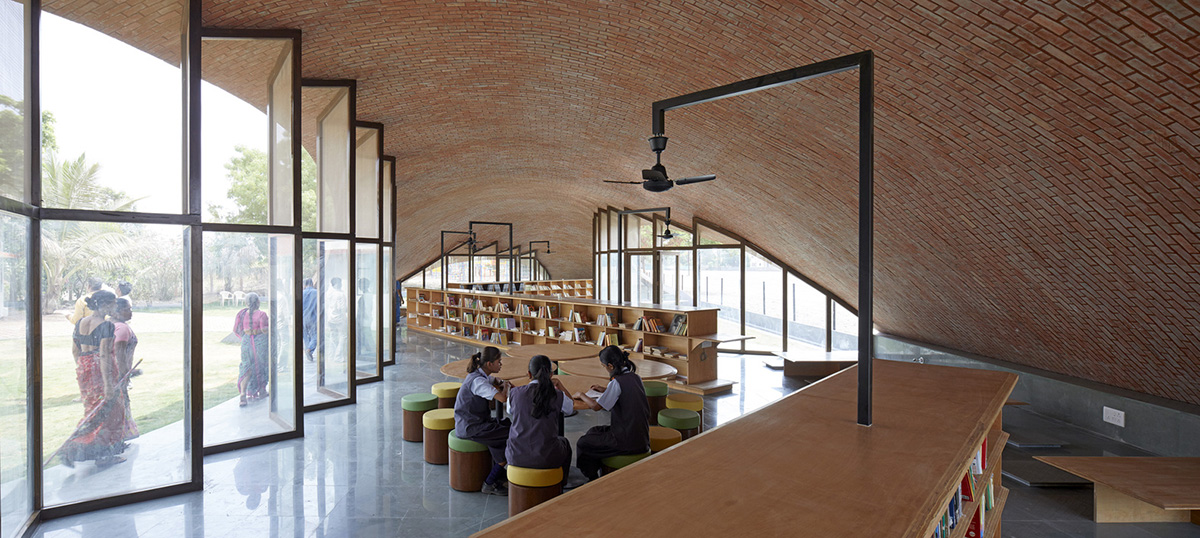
(473, 419)
(536, 410)
(629, 428)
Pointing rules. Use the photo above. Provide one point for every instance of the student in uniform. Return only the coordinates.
(536, 410)
(473, 419)
(625, 398)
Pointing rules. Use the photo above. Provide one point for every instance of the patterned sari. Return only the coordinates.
(101, 432)
(252, 327)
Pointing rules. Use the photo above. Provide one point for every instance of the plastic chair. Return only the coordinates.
(239, 297)
(227, 296)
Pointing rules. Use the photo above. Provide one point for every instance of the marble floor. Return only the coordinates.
(352, 475)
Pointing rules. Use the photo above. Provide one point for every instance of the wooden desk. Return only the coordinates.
(645, 369)
(1135, 489)
(509, 369)
(816, 363)
(801, 466)
(556, 352)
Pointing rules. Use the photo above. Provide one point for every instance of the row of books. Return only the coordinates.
(648, 324)
(576, 317)
(505, 323)
(972, 488)
(604, 320)
(606, 339)
(502, 308)
(577, 335)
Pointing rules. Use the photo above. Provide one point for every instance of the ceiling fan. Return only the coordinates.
(655, 178)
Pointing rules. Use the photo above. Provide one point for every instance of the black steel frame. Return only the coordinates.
(864, 62)
(376, 240)
(622, 292)
(512, 265)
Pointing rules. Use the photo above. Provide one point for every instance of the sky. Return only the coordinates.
(123, 108)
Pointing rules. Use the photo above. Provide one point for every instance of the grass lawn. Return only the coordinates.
(156, 396)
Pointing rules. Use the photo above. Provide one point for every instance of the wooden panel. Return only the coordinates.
(1112, 506)
(799, 463)
(1157, 481)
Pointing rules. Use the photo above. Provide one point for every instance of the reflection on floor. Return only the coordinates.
(352, 475)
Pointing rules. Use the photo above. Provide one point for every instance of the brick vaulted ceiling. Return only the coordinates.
(1036, 161)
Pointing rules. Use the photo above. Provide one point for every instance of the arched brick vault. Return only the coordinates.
(1036, 164)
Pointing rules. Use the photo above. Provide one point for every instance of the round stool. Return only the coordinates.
(686, 421)
(656, 396)
(613, 463)
(683, 400)
(662, 438)
(446, 393)
(470, 463)
(414, 406)
(528, 487)
(438, 424)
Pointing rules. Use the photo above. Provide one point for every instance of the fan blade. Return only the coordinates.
(624, 182)
(695, 179)
(654, 175)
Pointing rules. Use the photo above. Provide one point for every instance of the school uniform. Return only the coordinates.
(534, 442)
(473, 418)
(629, 429)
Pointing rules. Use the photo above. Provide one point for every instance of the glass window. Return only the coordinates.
(388, 292)
(366, 173)
(720, 282)
(249, 333)
(805, 315)
(764, 303)
(485, 269)
(112, 424)
(457, 268)
(602, 230)
(675, 277)
(389, 211)
(645, 233)
(246, 165)
(415, 281)
(845, 328)
(602, 276)
(326, 320)
(16, 488)
(13, 122)
(612, 277)
(641, 276)
(679, 238)
(709, 236)
(366, 310)
(94, 89)
(333, 165)
(613, 231)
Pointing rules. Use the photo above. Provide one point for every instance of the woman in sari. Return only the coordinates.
(251, 325)
(100, 435)
(124, 344)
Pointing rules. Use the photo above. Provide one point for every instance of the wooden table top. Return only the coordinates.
(1168, 483)
(573, 384)
(799, 465)
(849, 357)
(556, 352)
(510, 369)
(645, 369)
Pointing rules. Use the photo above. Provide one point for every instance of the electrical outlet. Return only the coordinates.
(1113, 416)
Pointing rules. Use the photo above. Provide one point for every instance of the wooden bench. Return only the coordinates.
(816, 363)
(1136, 489)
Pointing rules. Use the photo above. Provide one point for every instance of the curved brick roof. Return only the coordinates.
(1036, 164)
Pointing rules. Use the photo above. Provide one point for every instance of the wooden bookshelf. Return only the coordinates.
(802, 466)
(465, 315)
(556, 288)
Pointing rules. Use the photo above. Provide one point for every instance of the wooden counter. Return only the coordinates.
(1138, 489)
(801, 466)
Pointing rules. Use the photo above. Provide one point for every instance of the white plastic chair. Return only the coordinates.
(227, 296)
(239, 297)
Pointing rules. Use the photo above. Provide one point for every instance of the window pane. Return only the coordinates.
(764, 303)
(675, 277)
(248, 336)
(602, 230)
(366, 310)
(389, 212)
(679, 238)
(805, 315)
(96, 407)
(503, 268)
(246, 165)
(709, 236)
(641, 276)
(457, 268)
(645, 233)
(366, 172)
(416, 281)
(388, 292)
(333, 166)
(602, 276)
(612, 277)
(433, 276)
(93, 86)
(16, 488)
(12, 109)
(721, 286)
(485, 269)
(326, 337)
(845, 328)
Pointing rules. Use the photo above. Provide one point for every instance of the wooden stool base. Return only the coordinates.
(412, 429)
(446, 403)
(521, 498)
(469, 469)
(657, 403)
(437, 446)
(687, 434)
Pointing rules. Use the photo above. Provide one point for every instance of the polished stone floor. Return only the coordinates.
(352, 475)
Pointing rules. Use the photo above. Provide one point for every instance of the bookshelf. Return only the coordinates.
(684, 338)
(803, 466)
(557, 288)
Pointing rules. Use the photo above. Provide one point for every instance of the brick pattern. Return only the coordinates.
(1036, 196)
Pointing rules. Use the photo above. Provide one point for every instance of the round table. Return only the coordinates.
(573, 384)
(645, 369)
(556, 352)
(509, 369)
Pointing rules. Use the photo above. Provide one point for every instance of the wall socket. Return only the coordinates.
(1113, 416)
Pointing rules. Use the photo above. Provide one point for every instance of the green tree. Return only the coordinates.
(12, 145)
(248, 172)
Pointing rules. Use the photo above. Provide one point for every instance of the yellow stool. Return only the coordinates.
(528, 487)
(691, 402)
(438, 424)
(662, 438)
(446, 393)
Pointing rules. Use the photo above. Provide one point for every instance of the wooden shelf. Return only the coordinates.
(991, 529)
(565, 288)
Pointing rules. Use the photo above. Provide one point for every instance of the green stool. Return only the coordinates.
(684, 420)
(613, 463)
(656, 396)
(415, 406)
(470, 463)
